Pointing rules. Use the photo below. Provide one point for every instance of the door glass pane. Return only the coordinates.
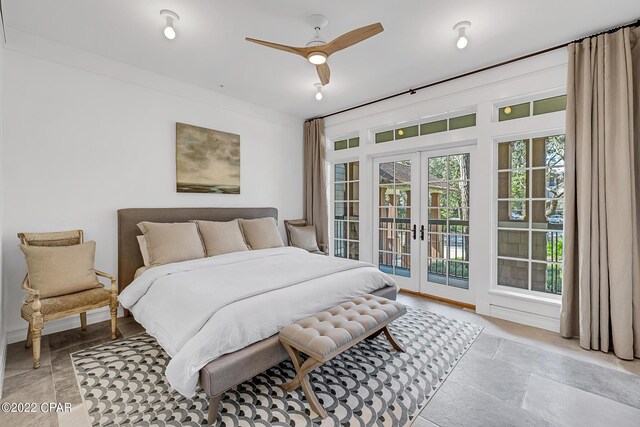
(438, 168)
(394, 227)
(448, 220)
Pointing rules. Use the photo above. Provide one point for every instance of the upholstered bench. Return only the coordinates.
(327, 334)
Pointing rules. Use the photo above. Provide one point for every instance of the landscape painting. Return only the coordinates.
(207, 161)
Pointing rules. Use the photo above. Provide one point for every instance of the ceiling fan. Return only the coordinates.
(317, 51)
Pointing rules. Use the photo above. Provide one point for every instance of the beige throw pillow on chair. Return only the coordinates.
(304, 238)
(61, 270)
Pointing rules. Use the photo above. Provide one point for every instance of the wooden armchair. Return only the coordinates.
(37, 311)
(288, 223)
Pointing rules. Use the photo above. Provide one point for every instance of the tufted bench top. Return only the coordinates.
(328, 333)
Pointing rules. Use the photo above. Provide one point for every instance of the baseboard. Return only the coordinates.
(71, 322)
(3, 360)
(440, 299)
(525, 318)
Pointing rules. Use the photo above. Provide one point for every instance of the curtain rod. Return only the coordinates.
(500, 64)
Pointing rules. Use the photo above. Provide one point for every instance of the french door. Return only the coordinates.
(422, 221)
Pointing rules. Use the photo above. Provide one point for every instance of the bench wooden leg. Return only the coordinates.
(214, 403)
(302, 379)
(392, 340)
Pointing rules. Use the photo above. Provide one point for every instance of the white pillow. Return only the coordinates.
(142, 242)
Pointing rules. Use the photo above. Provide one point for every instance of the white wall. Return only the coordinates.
(543, 75)
(86, 136)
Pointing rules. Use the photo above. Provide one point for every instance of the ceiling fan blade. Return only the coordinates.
(291, 49)
(351, 38)
(324, 73)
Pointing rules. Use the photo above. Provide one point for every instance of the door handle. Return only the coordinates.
(421, 232)
(413, 231)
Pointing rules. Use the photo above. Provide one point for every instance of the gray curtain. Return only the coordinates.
(315, 186)
(601, 294)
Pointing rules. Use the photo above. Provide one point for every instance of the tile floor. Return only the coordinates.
(513, 375)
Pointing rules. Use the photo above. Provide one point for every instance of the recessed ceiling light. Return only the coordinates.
(461, 28)
(507, 110)
(170, 16)
(318, 91)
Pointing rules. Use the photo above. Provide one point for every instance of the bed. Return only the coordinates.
(230, 368)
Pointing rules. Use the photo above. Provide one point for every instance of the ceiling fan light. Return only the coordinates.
(317, 58)
(169, 32)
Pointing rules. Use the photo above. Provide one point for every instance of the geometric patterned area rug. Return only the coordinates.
(123, 382)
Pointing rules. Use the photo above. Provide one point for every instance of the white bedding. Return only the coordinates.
(199, 310)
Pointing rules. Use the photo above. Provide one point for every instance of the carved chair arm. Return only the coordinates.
(35, 293)
(36, 305)
(112, 278)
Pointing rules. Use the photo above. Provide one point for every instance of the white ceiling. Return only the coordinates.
(417, 46)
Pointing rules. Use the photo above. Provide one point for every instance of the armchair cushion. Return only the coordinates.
(61, 270)
(64, 303)
(304, 238)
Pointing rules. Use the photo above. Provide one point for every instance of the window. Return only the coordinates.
(530, 213)
(343, 144)
(346, 210)
(540, 106)
(426, 128)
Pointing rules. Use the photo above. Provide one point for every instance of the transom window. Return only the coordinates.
(535, 108)
(531, 213)
(426, 128)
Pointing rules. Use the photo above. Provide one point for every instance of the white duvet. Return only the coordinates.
(199, 310)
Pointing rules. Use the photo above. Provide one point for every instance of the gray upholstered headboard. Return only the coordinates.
(129, 256)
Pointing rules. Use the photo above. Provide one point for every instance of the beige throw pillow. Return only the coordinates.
(61, 270)
(261, 233)
(221, 237)
(304, 238)
(171, 242)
